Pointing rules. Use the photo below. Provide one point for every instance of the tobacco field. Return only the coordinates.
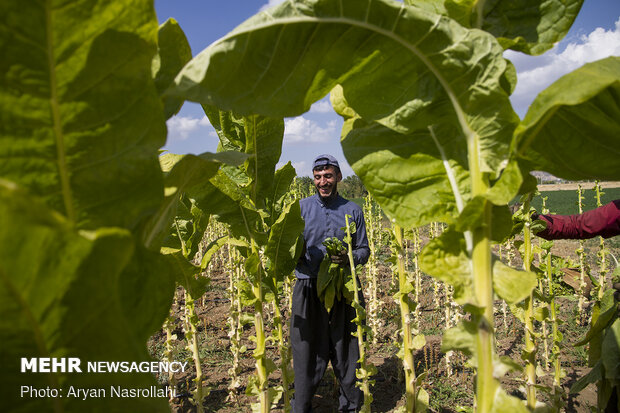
(114, 251)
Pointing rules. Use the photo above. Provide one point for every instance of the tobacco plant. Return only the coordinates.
(251, 200)
(582, 263)
(373, 229)
(366, 369)
(546, 264)
(416, 398)
(601, 253)
(83, 192)
(429, 128)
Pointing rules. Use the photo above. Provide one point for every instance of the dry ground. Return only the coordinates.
(449, 393)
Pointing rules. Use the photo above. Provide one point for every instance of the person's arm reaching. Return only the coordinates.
(603, 221)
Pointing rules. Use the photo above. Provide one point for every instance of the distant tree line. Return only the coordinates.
(350, 187)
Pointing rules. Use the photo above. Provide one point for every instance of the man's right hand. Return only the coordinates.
(340, 259)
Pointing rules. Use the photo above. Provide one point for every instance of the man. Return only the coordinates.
(316, 335)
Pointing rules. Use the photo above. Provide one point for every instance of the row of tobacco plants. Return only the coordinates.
(401, 302)
(98, 229)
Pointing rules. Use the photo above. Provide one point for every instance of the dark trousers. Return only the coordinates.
(317, 338)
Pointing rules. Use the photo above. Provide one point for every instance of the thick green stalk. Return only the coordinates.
(235, 322)
(169, 352)
(365, 385)
(285, 356)
(602, 252)
(192, 337)
(417, 276)
(479, 243)
(405, 311)
(557, 368)
(371, 269)
(259, 353)
(582, 262)
(530, 345)
(191, 334)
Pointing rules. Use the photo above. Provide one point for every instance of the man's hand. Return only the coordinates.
(340, 259)
(617, 291)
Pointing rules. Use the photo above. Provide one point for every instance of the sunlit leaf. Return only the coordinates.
(579, 115)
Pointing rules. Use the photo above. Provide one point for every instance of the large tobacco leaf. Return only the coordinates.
(173, 53)
(281, 249)
(579, 111)
(59, 297)
(264, 145)
(528, 26)
(182, 172)
(80, 119)
(398, 65)
(417, 178)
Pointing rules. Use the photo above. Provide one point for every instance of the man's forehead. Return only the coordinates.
(328, 170)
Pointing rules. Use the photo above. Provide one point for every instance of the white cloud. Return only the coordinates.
(302, 130)
(270, 3)
(537, 73)
(322, 106)
(181, 127)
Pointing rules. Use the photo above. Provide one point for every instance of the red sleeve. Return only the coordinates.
(603, 221)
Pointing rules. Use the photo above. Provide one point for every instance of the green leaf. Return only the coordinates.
(610, 352)
(422, 401)
(505, 403)
(182, 172)
(579, 113)
(82, 121)
(146, 289)
(606, 315)
(230, 128)
(528, 26)
(211, 249)
(413, 177)
(460, 338)
(281, 249)
(505, 189)
(186, 273)
(232, 210)
(472, 217)
(280, 190)
(264, 145)
(282, 60)
(445, 258)
(512, 285)
(60, 297)
(173, 53)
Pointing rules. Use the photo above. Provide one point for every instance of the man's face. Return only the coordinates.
(326, 181)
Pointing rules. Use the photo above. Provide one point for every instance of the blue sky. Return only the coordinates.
(595, 35)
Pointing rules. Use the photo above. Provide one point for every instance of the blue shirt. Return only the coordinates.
(325, 220)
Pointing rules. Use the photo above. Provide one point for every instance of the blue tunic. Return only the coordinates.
(325, 220)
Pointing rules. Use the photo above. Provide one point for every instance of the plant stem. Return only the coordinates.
(530, 345)
(192, 337)
(405, 317)
(365, 385)
(259, 353)
(479, 242)
(169, 352)
(285, 355)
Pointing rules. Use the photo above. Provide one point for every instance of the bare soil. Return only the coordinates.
(448, 392)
